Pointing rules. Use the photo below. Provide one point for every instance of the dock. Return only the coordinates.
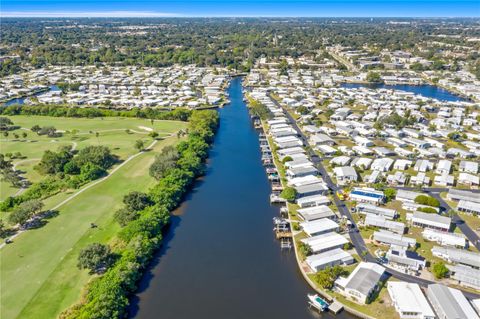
(335, 307)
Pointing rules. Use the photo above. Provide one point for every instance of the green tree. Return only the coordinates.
(390, 194)
(25, 211)
(136, 201)
(374, 77)
(140, 145)
(289, 193)
(427, 200)
(440, 270)
(124, 216)
(96, 258)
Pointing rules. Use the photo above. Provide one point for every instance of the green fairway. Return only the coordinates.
(39, 274)
(78, 133)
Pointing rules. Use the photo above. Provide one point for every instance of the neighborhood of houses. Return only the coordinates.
(124, 87)
(339, 126)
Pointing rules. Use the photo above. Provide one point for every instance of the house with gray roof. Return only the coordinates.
(361, 284)
(450, 303)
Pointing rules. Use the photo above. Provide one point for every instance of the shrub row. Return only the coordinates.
(107, 296)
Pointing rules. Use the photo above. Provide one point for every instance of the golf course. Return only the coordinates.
(39, 274)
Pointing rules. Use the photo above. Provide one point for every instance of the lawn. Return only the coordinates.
(39, 274)
(77, 133)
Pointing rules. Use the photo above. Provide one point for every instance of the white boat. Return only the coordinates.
(317, 302)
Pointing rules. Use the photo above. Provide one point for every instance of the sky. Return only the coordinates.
(240, 8)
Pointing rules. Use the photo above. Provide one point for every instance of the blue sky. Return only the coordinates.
(266, 8)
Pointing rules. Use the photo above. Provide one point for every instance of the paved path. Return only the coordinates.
(356, 237)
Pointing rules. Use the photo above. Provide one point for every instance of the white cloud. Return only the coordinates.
(87, 14)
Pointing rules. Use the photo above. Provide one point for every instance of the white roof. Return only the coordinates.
(319, 226)
(408, 297)
(325, 241)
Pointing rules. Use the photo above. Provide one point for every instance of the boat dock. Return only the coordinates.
(335, 307)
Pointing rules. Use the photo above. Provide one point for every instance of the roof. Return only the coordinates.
(433, 218)
(408, 297)
(325, 241)
(328, 257)
(364, 278)
(367, 193)
(467, 205)
(451, 301)
(319, 225)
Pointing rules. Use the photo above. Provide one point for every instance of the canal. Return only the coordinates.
(220, 258)
(429, 91)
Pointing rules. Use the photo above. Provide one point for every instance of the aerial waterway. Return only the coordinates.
(220, 258)
(425, 90)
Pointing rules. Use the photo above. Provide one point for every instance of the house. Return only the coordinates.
(465, 275)
(399, 178)
(316, 212)
(433, 221)
(450, 303)
(367, 195)
(445, 239)
(310, 201)
(469, 207)
(390, 238)
(362, 282)
(444, 167)
(458, 256)
(468, 167)
(406, 196)
(444, 180)
(324, 242)
(400, 257)
(387, 213)
(321, 139)
(468, 179)
(326, 150)
(402, 164)
(382, 164)
(409, 300)
(301, 171)
(345, 174)
(362, 141)
(381, 222)
(458, 194)
(340, 160)
(329, 258)
(311, 189)
(423, 166)
(362, 162)
(421, 179)
(319, 226)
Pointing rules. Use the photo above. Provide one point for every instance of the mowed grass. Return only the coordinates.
(38, 271)
(111, 130)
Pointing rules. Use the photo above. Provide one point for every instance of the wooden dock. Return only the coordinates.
(283, 234)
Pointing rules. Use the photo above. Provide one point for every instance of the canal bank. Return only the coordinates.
(220, 258)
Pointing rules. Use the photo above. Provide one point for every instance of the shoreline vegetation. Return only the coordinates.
(107, 296)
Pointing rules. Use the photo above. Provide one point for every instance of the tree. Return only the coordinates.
(53, 162)
(289, 193)
(35, 128)
(440, 270)
(427, 200)
(90, 172)
(164, 162)
(327, 276)
(24, 134)
(153, 135)
(95, 257)
(96, 154)
(287, 159)
(374, 77)
(136, 201)
(139, 145)
(5, 134)
(390, 194)
(123, 216)
(25, 211)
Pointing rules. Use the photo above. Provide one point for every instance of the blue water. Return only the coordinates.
(21, 100)
(220, 258)
(425, 90)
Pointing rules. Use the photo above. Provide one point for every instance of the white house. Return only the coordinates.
(409, 300)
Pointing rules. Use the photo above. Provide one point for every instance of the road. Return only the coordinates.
(356, 237)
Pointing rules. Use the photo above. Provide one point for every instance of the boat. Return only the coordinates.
(317, 302)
